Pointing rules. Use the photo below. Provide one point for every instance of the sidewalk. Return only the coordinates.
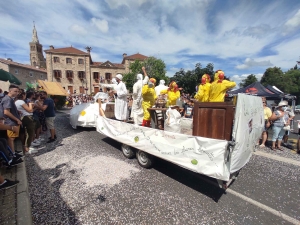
(15, 205)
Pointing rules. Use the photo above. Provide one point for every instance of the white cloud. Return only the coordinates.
(77, 29)
(239, 78)
(252, 63)
(292, 24)
(175, 31)
(102, 25)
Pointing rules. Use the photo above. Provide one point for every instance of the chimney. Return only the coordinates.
(51, 47)
(124, 55)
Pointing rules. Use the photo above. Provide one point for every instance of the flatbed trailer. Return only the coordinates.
(228, 132)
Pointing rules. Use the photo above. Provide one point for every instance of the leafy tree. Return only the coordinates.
(273, 76)
(249, 80)
(155, 68)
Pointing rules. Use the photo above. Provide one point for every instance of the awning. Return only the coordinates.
(52, 88)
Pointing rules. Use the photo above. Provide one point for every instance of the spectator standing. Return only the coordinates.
(280, 119)
(48, 108)
(28, 123)
(189, 109)
(267, 115)
(11, 115)
(291, 116)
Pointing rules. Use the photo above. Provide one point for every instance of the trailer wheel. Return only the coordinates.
(144, 159)
(128, 151)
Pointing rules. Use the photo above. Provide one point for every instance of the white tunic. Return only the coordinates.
(160, 88)
(137, 111)
(121, 102)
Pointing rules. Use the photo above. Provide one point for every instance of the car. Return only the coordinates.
(297, 109)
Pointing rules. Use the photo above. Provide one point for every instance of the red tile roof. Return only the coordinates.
(136, 56)
(8, 62)
(68, 50)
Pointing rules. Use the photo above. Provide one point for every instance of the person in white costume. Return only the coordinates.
(121, 99)
(137, 110)
(146, 79)
(160, 87)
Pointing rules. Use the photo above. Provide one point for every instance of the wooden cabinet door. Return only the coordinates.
(213, 120)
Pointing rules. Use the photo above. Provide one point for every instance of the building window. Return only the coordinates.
(30, 74)
(16, 71)
(80, 61)
(69, 74)
(96, 75)
(81, 75)
(42, 76)
(56, 59)
(57, 74)
(107, 76)
(69, 60)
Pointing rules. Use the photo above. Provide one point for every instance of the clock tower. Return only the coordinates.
(36, 51)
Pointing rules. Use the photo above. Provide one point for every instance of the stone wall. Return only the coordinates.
(70, 84)
(24, 74)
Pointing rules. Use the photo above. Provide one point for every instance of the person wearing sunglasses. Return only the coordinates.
(280, 120)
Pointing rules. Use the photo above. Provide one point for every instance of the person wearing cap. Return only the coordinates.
(280, 120)
(121, 99)
(137, 110)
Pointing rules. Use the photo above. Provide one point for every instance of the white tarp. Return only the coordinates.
(198, 154)
(248, 126)
(85, 114)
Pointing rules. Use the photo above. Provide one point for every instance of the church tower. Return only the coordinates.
(36, 51)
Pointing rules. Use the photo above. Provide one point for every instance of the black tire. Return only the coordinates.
(128, 151)
(144, 159)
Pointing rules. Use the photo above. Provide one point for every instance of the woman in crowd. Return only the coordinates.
(267, 115)
(280, 120)
(28, 122)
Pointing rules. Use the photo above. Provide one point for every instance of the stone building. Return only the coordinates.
(25, 73)
(77, 72)
(36, 51)
(70, 67)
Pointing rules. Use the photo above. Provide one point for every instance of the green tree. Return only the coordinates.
(155, 68)
(249, 80)
(273, 76)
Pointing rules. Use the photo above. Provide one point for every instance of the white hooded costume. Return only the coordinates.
(137, 110)
(160, 87)
(121, 100)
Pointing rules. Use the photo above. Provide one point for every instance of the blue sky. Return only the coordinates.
(238, 36)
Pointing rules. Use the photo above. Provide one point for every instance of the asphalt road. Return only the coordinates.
(83, 178)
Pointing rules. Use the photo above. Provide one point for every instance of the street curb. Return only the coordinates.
(24, 215)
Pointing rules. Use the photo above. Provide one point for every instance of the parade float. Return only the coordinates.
(218, 142)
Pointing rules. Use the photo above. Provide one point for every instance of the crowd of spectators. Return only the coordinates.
(23, 115)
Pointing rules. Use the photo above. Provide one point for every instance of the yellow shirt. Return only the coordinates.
(267, 112)
(172, 96)
(203, 92)
(218, 90)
